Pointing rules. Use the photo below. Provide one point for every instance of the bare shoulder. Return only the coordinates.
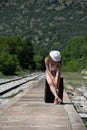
(47, 59)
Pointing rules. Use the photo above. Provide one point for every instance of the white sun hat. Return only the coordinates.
(55, 55)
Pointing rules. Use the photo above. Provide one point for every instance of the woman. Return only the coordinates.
(53, 68)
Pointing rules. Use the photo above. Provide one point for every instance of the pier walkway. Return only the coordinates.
(28, 111)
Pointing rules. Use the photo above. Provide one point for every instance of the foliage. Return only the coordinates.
(19, 54)
(8, 64)
(26, 55)
(39, 59)
(49, 24)
(15, 54)
(75, 54)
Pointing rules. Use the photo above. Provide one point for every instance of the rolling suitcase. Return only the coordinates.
(49, 97)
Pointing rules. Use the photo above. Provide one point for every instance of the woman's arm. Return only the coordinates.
(47, 68)
(57, 77)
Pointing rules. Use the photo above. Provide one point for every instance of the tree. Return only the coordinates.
(26, 55)
(39, 57)
(9, 64)
(75, 54)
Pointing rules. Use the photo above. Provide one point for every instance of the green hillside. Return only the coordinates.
(49, 24)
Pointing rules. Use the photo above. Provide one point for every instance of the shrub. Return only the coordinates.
(9, 64)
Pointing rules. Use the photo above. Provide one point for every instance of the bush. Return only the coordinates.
(72, 66)
(75, 54)
(9, 64)
(15, 53)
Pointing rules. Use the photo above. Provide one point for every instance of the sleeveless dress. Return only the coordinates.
(52, 68)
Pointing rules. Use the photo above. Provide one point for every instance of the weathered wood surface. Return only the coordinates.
(28, 111)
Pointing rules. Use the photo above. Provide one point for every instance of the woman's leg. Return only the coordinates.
(52, 87)
(53, 90)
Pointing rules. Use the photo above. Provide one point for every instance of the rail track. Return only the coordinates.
(77, 91)
(10, 85)
(81, 93)
(79, 98)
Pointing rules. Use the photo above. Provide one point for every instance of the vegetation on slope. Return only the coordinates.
(49, 24)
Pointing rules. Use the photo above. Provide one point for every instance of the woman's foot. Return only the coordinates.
(57, 100)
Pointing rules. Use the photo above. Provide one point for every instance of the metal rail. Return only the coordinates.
(27, 78)
(8, 81)
(80, 93)
(15, 79)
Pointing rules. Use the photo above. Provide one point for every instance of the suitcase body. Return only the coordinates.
(49, 97)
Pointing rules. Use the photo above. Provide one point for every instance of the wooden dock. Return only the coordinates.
(28, 111)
